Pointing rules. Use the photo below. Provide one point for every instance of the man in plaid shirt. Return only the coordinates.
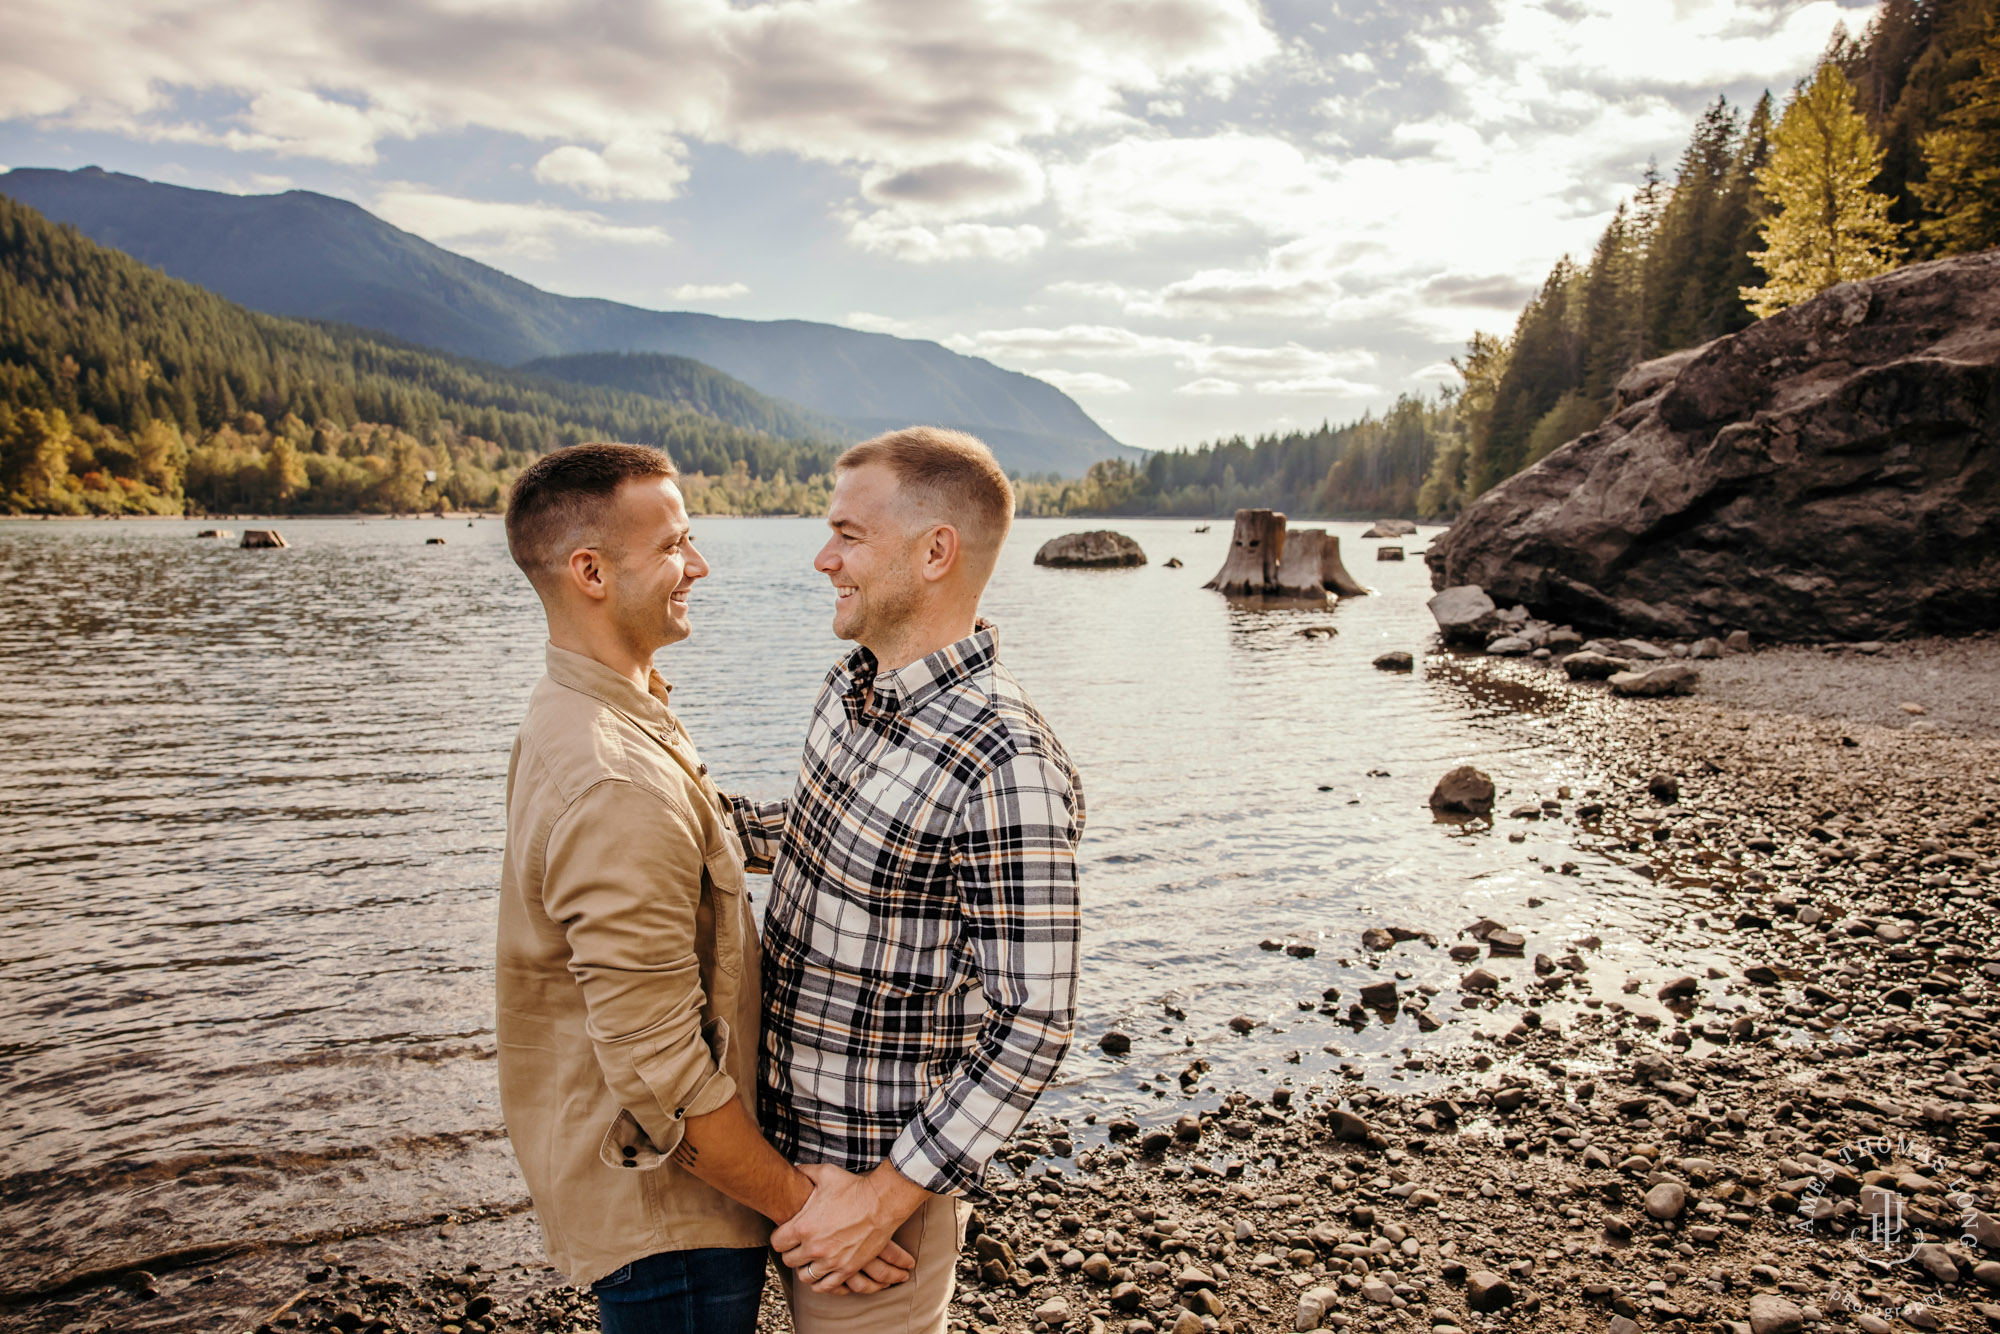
(920, 950)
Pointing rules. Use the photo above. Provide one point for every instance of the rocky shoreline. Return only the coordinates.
(1606, 1171)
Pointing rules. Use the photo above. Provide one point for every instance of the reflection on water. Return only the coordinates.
(250, 815)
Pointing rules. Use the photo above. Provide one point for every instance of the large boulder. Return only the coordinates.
(1101, 549)
(1391, 528)
(1832, 472)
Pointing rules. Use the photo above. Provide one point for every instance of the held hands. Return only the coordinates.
(841, 1239)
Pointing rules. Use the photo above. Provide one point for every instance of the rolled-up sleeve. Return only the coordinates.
(623, 878)
(760, 824)
(1014, 862)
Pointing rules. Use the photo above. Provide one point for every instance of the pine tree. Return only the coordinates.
(1749, 214)
(1961, 189)
(1827, 226)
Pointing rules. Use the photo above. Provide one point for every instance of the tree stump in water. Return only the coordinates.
(1255, 551)
(1302, 564)
(1334, 574)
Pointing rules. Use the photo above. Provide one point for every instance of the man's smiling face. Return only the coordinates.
(871, 558)
(653, 562)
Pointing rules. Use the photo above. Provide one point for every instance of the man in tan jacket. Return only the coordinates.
(627, 969)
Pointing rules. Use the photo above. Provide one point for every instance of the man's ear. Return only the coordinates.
(941, 552)
(585, 573)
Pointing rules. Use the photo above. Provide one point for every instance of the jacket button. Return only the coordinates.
(702, 769)
(678, 1111)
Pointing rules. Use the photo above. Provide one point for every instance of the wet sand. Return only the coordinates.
(1611, 1172)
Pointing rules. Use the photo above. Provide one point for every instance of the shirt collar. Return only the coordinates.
(593, 678)
(910, 688)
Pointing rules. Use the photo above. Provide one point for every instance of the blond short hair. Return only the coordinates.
(955, 472)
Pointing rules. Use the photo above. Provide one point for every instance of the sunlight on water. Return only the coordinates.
(250, 819)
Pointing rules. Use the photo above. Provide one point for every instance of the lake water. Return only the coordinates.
(251, 820)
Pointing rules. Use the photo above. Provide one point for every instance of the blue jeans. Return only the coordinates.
(713, 1291)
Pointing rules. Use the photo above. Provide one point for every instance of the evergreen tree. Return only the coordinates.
(1748, 215)
(1961, 188)
(1827, 225)
(1690, 251)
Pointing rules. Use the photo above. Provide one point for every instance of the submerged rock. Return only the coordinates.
(1391, 528)
(1463, 791)
(1099, 549)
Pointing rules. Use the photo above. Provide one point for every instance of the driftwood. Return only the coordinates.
(1334, 574)
(1255, 550)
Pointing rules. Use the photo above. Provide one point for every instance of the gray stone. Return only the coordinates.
(1677, 678)
(1487, 1291)
(1115, 1044)
(1465, 615)
(1588, 666)
(1395, 661)
(1772, 1314)
(1666, 1200)
(1388, 553)
(1099, 549)
(1510, 646)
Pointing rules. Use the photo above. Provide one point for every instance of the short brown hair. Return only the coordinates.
(558, 500)
(954, 470)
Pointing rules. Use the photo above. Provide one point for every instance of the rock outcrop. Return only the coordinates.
(1832, 472)
(263, 537)
(1391, 528)
(1098, 550)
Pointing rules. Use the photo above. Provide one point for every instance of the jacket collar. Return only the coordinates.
(593, 678)
(912, 687)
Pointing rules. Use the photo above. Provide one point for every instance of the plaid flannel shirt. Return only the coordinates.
(920, 943)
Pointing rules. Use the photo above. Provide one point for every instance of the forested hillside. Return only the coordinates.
(1888, 154)
(125, 391)
(693, 385)
(1370, 467)
(1891, 154)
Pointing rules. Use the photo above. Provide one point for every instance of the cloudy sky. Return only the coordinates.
(1198, 217)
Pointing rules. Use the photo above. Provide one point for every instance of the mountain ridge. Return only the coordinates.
(307, 255)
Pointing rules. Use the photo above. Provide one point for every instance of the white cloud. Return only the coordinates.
(489, 228)
(887, 234)
(1437, 370)
(624, 169)
(888, 324)
(708, 291)
(1210, 387)
(1149, 189)
(982, 180)
(864, 82)
(1318, 386)
(1084, 382)
(1286, 362)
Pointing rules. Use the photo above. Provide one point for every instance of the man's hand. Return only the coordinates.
(847, 1225)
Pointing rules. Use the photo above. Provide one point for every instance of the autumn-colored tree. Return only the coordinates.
(1961, 189)
(1826, 225)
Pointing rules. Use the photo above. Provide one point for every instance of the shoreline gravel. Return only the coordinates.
(1609, 1172)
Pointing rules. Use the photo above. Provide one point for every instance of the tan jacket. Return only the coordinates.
(626, 972)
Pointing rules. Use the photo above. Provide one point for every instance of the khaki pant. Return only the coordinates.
(933, 1234)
